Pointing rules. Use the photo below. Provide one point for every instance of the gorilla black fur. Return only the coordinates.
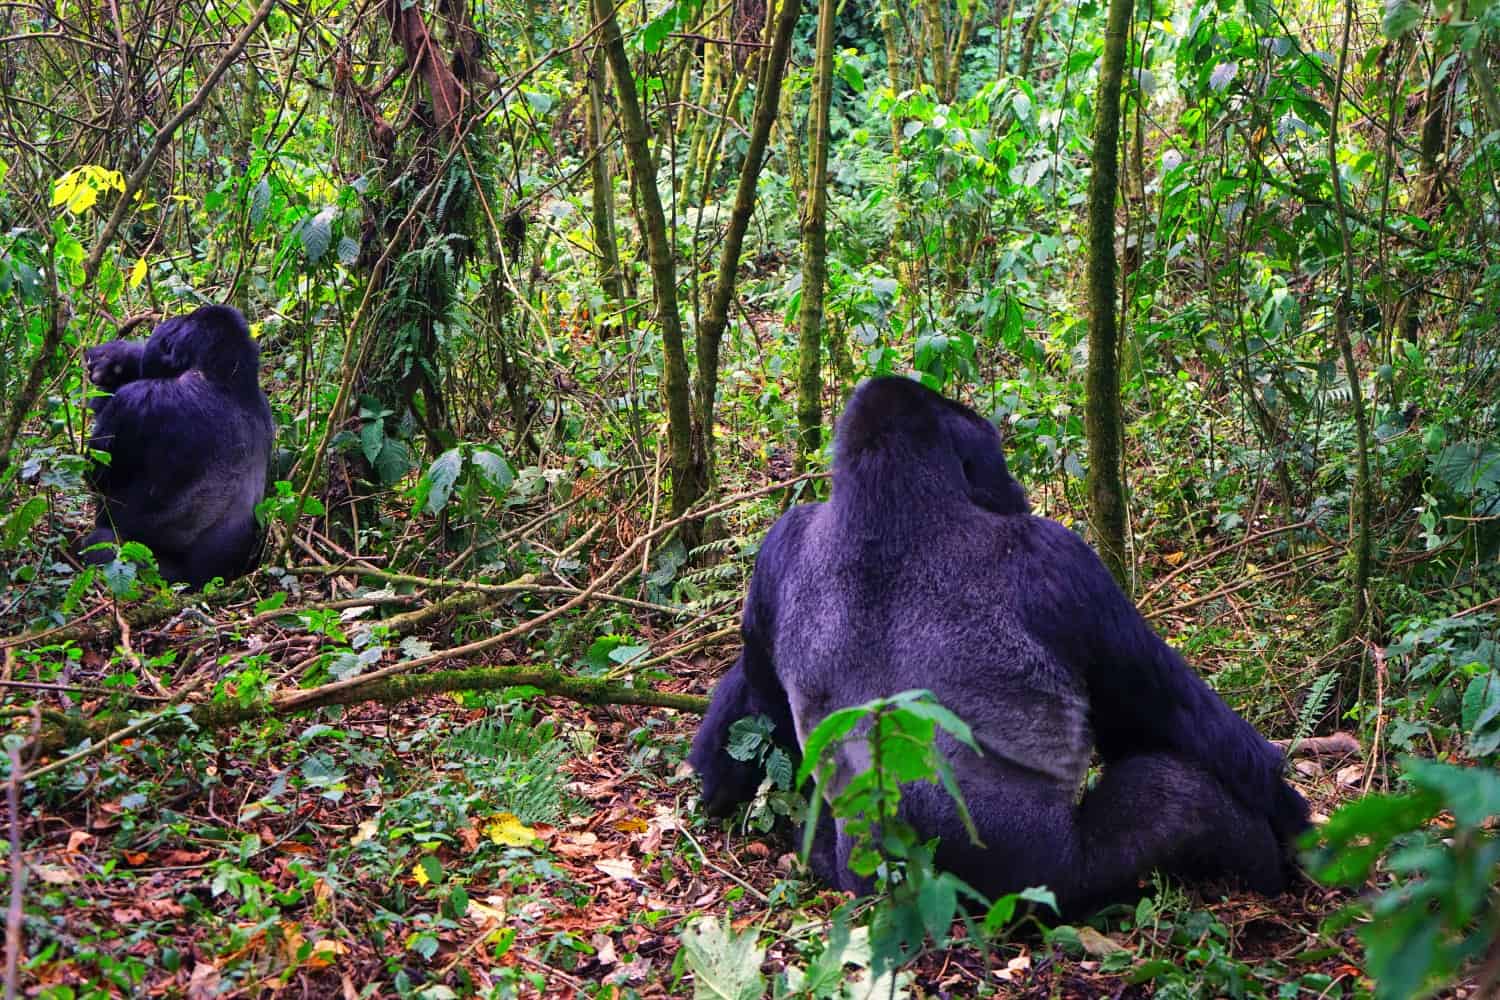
(926, 569)
(188, 431)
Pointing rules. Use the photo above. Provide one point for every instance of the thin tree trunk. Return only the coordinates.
(815, 248)
(603, 195)
(1357, 610)
(1428, 199)
(1105, 485)
(1028, 39)
(688, 480)
(716, 319)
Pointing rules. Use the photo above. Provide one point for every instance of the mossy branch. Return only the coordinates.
(386, 690)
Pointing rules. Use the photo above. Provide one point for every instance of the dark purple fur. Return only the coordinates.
(926, 569)
(188, 431)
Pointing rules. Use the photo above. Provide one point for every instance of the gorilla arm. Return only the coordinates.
(751, 686)
(1143, 697)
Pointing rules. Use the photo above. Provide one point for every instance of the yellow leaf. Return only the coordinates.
(419, 874)
(507, 830)
(138, 273)
(255, 329)
(64, 188)
(1251, 569)
(83, 199)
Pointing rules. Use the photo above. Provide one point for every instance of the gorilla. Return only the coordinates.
(188, 433)
(927, 569)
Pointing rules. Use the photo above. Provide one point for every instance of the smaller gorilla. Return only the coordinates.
(926, 569)
(188, 433)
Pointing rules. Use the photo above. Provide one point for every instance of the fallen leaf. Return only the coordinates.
(204, 983)
(484, 913)
(55, 874)
(1097, 944)
(506, 829)
(620, 869)
(325, 952)
(604, 949)
(367, 829)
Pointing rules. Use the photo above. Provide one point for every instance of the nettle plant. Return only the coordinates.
(919, 902)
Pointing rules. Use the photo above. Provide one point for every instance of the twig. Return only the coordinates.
(98, 746)
(620, 564)
(164, 139)
(727, 874)
(1378, 655)
(1267, 575)
(15, 912)
(28, 639)
(1218, 553)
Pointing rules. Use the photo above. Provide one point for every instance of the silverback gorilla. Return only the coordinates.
(188, 433)
(927, 569)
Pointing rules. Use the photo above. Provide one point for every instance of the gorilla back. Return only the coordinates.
(188, 432)
(926, 570)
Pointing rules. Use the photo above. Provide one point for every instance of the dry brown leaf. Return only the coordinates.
(620, 869)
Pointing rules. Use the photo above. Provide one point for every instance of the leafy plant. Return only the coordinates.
(1440, 910)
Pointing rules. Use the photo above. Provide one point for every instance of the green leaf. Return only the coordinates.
(1472, 793)
(725, 965)
(317, 234)
(658, 28)
(372, 439)
(394, 461)
(1468, 467)
(748, 735)
(348, 251)
(1481, 713)
(834, 727)
(441, 475)
(852, 77)
(1223, 75)
(260, 200)
(1400, 17)
(495, 470)
(18, 524)
(937, 901)
(271, 603)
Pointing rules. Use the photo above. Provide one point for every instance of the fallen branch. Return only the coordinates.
(110, 727)
(1332, 745)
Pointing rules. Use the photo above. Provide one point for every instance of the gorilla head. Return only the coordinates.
(213, 340)
(891, 416)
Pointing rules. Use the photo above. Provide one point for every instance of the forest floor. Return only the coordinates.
(293, 861)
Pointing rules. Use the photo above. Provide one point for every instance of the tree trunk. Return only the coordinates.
(815, 248)
(603, 200)
(689, 478)
(716, 319)
(1105, 485)
(1353, 619)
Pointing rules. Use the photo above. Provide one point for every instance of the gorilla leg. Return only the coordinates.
(1159, 811)
(1148, 812)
